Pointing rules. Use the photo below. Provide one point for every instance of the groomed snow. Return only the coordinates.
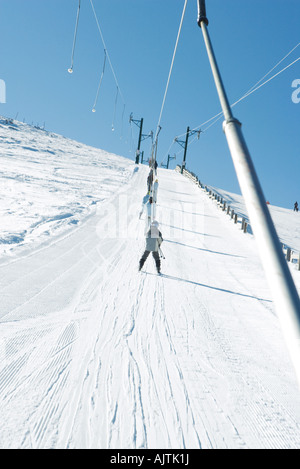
(95, 354)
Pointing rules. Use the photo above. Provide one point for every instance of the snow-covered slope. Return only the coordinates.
(95, 354)
(49, 183)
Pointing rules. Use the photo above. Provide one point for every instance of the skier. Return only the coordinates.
(296, 207)
(153, 243)
(148, 207)
(150, 181)
(145, 200)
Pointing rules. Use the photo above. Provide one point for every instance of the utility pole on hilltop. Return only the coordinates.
(184, 144)
(139, 123)
(170, 158)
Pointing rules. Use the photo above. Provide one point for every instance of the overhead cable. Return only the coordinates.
(100, 82)
(107, 54)
(253, 88)
(70, 70)
(171, 69)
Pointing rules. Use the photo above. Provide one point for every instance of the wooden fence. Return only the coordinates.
(242, 222)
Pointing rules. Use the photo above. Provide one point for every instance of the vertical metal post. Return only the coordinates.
(169, 159)
(139, 142)
(185, 149)
(283, 289)
(154, 147)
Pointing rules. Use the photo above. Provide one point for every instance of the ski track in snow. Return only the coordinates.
(95, 354)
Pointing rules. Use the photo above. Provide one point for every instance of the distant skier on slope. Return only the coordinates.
(153, 242)
(150, 181)
(296, 207)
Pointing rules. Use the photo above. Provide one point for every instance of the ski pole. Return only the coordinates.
(161, 253)
(281, 283)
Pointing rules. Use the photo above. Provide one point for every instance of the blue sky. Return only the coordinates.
(249, 38)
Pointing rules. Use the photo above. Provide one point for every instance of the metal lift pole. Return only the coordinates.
(185, 149)
(139, 141)
(283, 289)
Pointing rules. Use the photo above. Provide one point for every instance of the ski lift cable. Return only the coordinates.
(267, 81)
(107, 54)
(100, 82)
(182, 149)
(70, 70)
(253, 88)
(251, 91)
(130, 139)
(124, 106)
(170, 72)
(275, 66)
(116, 102)
(218, 116)
(168, 152)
